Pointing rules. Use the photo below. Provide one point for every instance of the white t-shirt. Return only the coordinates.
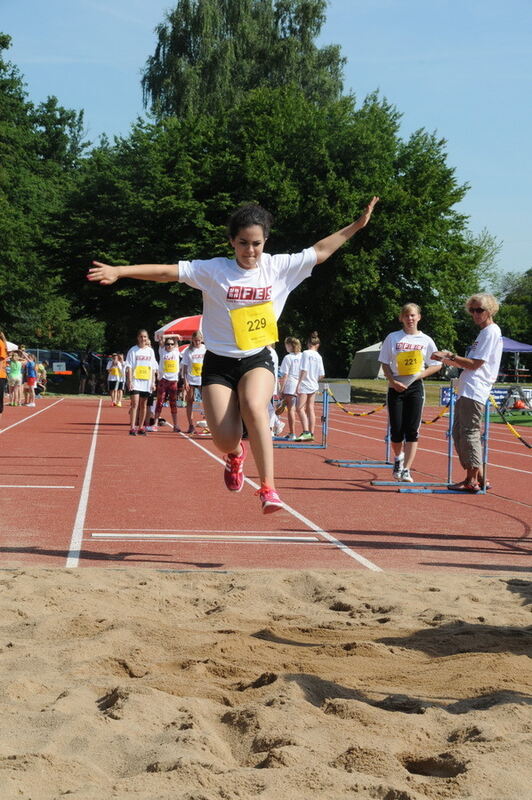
(405, 352)
(169, 363)
(226, 286)
(275, 359)
(477, 383)
(312, 363)
(141, 361)
(192, 361)
(116, 371)
(290, 369)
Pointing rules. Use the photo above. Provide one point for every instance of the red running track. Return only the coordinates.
(78, 491)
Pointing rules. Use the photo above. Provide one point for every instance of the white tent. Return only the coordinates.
(366, 363)
(11, 346)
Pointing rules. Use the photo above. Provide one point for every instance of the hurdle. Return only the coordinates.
(361, 463)
(281, 443)
(420, 485)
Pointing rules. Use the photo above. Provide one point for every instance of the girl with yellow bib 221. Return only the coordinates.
(406, 359)
(242, 299)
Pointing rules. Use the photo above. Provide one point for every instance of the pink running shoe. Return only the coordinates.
(270, 500)
(234, 470)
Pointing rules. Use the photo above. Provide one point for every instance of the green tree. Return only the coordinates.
(209, 52)
(515, 315)
(165, 193)
(39, 149)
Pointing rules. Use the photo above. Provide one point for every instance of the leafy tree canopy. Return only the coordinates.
(209, 52)
(39, 148)
(165, 193)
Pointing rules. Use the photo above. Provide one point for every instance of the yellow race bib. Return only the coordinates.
(170, 365)
(115, 372)
(409, 363)
(254, 326)
(196, 368)
(142, 372)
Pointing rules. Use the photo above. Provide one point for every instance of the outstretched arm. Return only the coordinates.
(106, 274)
(326, 247)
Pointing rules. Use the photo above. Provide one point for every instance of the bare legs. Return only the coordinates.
(306, 411)
(225, 409)
(291, 413)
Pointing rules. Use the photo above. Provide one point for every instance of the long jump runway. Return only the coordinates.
(78, 491)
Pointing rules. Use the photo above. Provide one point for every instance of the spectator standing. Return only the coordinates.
(406, 358)
(191, 369)
(141, 370)
(3, 372)
(311, 371)
(289, 378)
(480, 368)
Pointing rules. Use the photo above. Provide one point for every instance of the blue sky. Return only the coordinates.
(462, 68)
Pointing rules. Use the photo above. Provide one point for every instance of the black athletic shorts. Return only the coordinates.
(227, 371)
(140, 394)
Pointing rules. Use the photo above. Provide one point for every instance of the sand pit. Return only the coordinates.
(276, 685)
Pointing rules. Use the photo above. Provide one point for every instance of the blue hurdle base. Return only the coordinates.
(398, 483)
(405, 490)
(370, 464)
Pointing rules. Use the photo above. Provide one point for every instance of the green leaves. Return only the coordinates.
(209, 53)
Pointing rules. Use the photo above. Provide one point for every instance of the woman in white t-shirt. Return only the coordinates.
(242, 300)
(406, 358)
(191, 369)
(289, 374)
(311, 370)
(480, 370)
(141, 369)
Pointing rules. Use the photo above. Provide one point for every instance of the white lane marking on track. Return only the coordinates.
(342, 547)
(426, 450)
(77, 531)
(187, 530)
(32, 486)
(35, 414)
(202, 537)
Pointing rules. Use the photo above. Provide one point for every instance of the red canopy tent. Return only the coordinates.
(184, 326)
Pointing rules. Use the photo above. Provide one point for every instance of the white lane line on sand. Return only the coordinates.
(35, 414)
(79, 523)
(307, 522)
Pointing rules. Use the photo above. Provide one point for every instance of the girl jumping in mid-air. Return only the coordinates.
(242, 299)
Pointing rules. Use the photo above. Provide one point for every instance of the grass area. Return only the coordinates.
(373, 390)
(514, 418)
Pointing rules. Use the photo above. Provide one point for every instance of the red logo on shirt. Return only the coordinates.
(249, 293)
(408, 346)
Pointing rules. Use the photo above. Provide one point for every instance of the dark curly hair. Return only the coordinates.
(247, 215)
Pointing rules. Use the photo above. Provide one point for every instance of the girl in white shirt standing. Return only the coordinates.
(242, 299)
(289, 374)
(192, 367)
(406, 358)
(167, 385)
(311, 370)
(141, 369)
